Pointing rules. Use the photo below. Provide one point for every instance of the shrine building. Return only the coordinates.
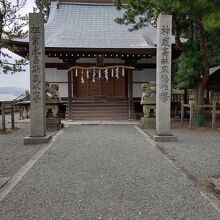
(98, 64)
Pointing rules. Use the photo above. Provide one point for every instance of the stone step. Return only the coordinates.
(100, 118)
(99, 104)
(99, 113)
(100, 101)
(125, 107)
(114, 109)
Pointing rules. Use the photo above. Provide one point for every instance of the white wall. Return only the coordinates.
(55, 75)
(63, 89)
(144, 75)
(140, 77)
(59, 77)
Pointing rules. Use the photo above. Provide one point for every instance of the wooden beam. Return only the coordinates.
(66, 66)
(70, 83)
(130, 94)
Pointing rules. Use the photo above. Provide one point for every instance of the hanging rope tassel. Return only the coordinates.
(93, 75)
(100, 74)
(87, 73)
(76, 72)
(112, 72)
(106, 74)
(117, 72)
(82, 80)
(123, 71)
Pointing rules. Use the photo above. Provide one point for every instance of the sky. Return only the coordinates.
(22, 79)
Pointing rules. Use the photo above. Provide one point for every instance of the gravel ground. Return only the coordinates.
(104, 172)
(14, 153)
(198, 150)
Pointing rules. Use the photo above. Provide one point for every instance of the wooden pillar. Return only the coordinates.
(191, 115)
(182, 112)
(213, 114)
(3, 117)
(130, 94)
(12, 116)
(70, 93)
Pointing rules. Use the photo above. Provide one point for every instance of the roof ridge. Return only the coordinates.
(86, 3)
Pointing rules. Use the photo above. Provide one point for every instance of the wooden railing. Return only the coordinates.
(6, 107)
(192, 109)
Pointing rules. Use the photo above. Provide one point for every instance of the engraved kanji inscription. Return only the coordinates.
(35, 59)
(164, 72)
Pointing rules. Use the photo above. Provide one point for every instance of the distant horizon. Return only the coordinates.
(15, 87)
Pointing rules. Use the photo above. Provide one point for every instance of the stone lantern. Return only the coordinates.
(148, 100)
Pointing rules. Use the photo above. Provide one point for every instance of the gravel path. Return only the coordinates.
(14, 153)
(198, 150)
(104, 172)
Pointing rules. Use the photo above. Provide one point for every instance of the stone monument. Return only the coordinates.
(148, 100)
(163, 79)
(37, 80)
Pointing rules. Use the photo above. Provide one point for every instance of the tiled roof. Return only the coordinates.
(7, 97)
(92, 26)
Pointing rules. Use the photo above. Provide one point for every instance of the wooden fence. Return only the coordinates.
(192, 109)
(6, 107)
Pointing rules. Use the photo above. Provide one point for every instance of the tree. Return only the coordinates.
(11, 24)
(189, 67)
(195, 20)
(213, 46)
(44, 7)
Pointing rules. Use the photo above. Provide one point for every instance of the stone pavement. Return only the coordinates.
(105, 172)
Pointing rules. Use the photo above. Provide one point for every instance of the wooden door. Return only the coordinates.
(108, 87)
(119, 86)
(95, 88)
(101, 87)
(80, 89)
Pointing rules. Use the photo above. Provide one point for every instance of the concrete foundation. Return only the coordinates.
(37, 140)
(169, 138)
(148, 123)
(54, 123)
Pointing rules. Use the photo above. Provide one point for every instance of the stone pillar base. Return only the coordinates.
(148, 123)
(54, 123)
(37, 140)
(167, 138)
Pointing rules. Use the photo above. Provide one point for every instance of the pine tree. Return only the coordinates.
(43, 6)
(197, 20)
(11, 24)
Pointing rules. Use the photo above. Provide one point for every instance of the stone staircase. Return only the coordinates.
(100, 109)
